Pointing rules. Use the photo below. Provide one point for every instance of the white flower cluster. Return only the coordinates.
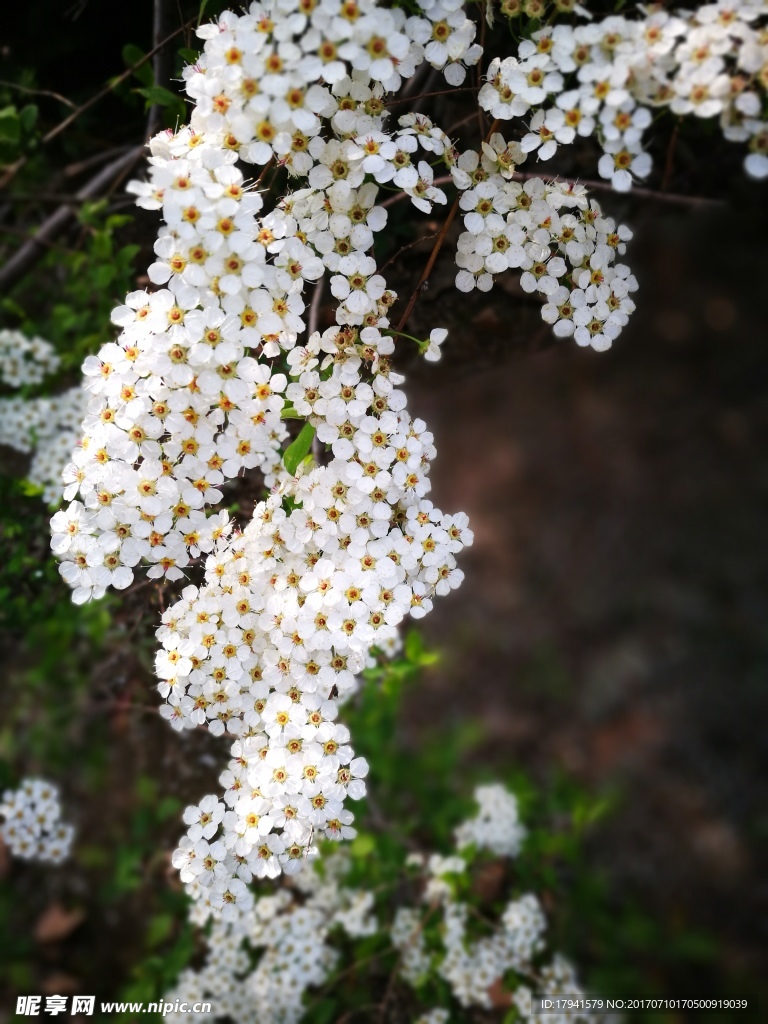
(189, 396)
(293, 930)
(207, 369)
(608, 76)
(258, 81)
(49, 427)
(25, 360)
(496, 827)
(475, 967)
(31, 823)
(556, 236)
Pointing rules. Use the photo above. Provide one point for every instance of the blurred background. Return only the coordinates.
(608, 646)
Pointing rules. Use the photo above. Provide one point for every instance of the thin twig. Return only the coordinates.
(430, 264)
(24, 257)
(162, 64)
(9, 229)
(400, 252)
(40, 92)
(314, 307)
(436, 249)
(426, 95)
(670, 161)
(13, 170)
(415, 81)
(312, 321)
(44, 197)
(394, 975)
(479, 66)
(112, 85)
(72, 170)
(264, 170)
(641, 193)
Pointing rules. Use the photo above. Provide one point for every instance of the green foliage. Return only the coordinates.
(69, 302)
(17, 133)
(299, 448)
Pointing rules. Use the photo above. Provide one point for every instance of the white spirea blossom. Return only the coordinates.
(560, 241)
(608, 77)
(25, 360)
(291, 931)
(213, 361)
(260, 965)
(496, 827)
(192, 393)
(475, 968)
(31, 823)
(49, 427)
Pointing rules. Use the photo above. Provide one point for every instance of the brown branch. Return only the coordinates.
(400, 252)
(264, 170)
(426, 95)
(436, 250)
(40, 92)
(642, 193)
(460, 124)
(314, 307)
(430, 264)
(44, 197)
(9, 229)
(30, 252)
(72, 170)
(389, 991)
(479, 66)
(13, 170)
(162, 64)
(421, 72)
(670, 161)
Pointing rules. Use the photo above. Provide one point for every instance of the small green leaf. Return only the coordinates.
(298, 450)
(28, 117)
(203, 5)
(158, 95)
(132, 55)
(190, 56)
(160, 927)
(289, 413)
(30, 489)
(363, 845)
(10, 126)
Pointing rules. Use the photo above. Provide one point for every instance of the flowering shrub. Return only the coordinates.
(209, 368)
(442, 938)
(190, 395)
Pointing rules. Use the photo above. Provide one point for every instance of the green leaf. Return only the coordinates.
(289, 413)
(363, 845)
(28, 117)
(10, 126)
(160, 927)
(132, 55)
(30, 489)
(298, 450)
(203, 5)
(190, 56)
(158, 95)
